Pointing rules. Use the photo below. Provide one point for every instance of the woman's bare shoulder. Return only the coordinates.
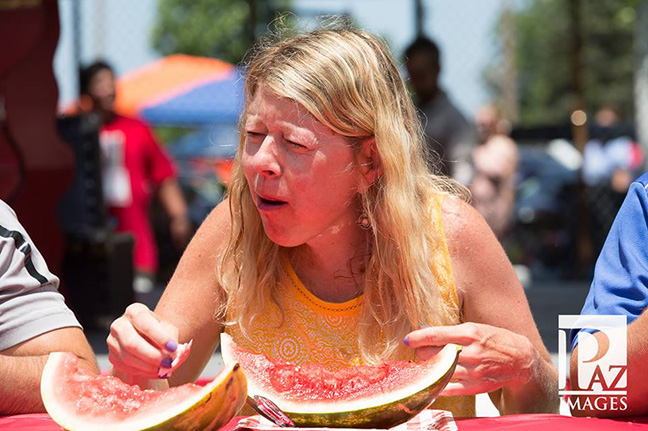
(480, 266)
(463, 225)
(218, 223)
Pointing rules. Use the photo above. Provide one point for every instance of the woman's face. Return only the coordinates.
(299, 174)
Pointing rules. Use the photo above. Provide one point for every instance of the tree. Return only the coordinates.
(223, 29)
(543, 59)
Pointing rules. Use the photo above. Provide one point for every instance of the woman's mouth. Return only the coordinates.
(270, 204)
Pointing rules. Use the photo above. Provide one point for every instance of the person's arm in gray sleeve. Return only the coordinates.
(34, 320)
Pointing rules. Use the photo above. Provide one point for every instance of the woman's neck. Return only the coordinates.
(333, 273)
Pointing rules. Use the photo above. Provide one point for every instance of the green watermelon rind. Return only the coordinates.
(209, 409)
(367, 413)
(383, 416)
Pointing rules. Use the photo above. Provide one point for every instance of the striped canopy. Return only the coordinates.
(182, 90)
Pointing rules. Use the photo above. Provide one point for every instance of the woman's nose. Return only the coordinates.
(266, 158)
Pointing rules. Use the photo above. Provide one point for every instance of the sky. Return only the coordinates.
(119, 31)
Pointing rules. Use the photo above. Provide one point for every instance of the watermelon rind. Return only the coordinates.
(211, 408)
(383, 411)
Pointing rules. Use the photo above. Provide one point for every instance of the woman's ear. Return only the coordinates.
(370, 164)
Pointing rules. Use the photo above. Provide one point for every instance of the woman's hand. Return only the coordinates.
(139, 343)
(503, 348)
(491, 357)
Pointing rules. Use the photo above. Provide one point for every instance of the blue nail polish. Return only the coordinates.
(171, 346)
(406, 340)
(166, 362)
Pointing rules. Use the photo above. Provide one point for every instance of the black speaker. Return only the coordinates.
(82, 211)
(98, 263)
(99, 279)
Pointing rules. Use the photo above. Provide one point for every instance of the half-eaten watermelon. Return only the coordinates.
(354, 397)
(80, 401)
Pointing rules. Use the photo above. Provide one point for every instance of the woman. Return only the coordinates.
(337, 246)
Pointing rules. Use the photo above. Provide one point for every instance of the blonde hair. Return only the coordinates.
(349, 82)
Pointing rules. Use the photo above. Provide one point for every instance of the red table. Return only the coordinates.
(42, 422)
(547, 422)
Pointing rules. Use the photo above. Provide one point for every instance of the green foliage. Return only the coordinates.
(543, 61)
(610, 58)
(211, 28)
(543, 58)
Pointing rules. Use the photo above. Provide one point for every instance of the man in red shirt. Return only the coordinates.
(133, 165)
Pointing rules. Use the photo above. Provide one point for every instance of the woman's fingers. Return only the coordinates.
(490, 359)
(140, 344)
(454, 389)
(427, 342)
(426, 352)
(131, 341)
(461, 373)
(161, 335)
(469, 387)
(466, 382)
(124, 361)
(463, 334)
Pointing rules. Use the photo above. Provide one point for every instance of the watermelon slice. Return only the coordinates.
(353, 397)
(79, 400)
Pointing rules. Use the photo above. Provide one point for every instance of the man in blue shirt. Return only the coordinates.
(620, 287)
(620, 284)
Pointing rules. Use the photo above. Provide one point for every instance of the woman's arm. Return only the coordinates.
(492, 296)
(185, 312)
(503, 353)
(193, 295)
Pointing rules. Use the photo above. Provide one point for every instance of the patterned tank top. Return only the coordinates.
(311, 330)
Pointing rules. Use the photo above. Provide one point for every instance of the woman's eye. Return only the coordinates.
(296, 145)
(254, 134)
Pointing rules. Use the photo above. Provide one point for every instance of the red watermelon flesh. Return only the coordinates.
(313, 382)
(109, 397)
(81, 401)
(314, 395)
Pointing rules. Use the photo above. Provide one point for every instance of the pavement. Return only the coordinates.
(547, 300)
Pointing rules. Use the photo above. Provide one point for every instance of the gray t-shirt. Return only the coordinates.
(451, 139)
(30, 303)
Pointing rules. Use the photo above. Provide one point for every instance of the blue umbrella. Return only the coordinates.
(220, 141)
(215, 102)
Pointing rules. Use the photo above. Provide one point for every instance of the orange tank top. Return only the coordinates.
(314, 331)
